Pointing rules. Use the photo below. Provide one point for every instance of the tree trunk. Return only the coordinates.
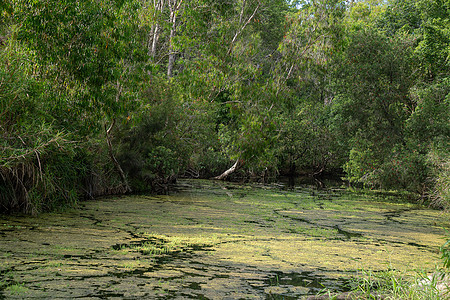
(154, 33)
(171, 53)
(154, 41)
(114, 160)
(231, 170)
(230, 49)
(174, 8)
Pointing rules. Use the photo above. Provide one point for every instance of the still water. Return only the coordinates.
(215, 240)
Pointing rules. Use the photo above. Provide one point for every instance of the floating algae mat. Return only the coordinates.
(215, 240)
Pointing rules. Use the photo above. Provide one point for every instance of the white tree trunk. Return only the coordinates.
(174, 7)
(233, 168)
(154, 32)
(242, 25)
(155, 37)
(171, 53)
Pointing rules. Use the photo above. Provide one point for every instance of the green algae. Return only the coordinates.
(215, 240)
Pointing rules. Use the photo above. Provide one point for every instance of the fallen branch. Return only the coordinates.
(231, 170)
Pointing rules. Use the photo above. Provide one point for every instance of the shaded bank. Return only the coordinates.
(215, 239)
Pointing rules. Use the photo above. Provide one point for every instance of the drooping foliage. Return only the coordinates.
(100, 97)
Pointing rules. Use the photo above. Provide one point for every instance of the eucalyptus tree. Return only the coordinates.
(248, 134)
(302, 83)
(217, 58)
(155, 8)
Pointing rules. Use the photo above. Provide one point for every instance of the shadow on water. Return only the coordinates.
(312, 284)
(301, 182)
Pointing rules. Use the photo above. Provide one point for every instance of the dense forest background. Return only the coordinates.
(105, 97)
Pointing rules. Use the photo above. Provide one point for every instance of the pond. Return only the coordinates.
(215, 240)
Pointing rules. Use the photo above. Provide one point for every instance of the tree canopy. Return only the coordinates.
(101, 97)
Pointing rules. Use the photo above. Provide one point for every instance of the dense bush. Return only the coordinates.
(101, 97)
(439, 159)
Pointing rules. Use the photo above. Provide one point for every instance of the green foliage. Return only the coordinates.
(445, 253)
(433, 49)
(43, 177)
(282, 86)
(430, 116)
(439, 159)
(207, 163)
(400, 168)
(85, 47)
(361, 165)
(168, 137)
(163, 162)
(393, 284)
(38, 163)
(304, 143)
(384, 115)
(144, 153)
(365, 13)
(400, 15)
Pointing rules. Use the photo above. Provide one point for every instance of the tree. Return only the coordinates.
(41, 165)
(86, 49)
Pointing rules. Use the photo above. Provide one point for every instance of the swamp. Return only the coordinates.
(216, 240)
(115, 116)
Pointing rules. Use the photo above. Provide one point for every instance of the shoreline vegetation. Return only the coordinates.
(127, 98)
(114, 97)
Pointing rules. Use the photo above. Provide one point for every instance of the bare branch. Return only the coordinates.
(242, 28)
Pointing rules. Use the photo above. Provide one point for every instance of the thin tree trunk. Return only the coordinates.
(171, 53)
(153, 41)
(174, 8)
(154, 32)
(113, 158)
(231, 170)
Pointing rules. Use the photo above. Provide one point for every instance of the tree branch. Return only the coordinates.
(113, 158)
(242, 28)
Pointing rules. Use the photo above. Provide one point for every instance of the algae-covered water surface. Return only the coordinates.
(212, 240)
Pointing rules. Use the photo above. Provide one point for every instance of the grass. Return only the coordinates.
(393, 284)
